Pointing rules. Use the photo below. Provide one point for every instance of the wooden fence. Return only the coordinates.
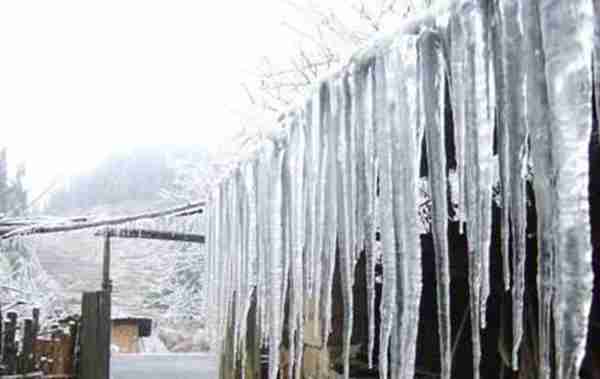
(26, 352)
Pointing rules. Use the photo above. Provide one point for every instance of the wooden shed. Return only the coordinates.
(127, 331)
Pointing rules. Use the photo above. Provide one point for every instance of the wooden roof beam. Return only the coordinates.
(151, 234)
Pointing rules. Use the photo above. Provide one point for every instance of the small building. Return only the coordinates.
(127, 331)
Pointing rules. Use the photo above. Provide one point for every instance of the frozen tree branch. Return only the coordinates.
(41, 229)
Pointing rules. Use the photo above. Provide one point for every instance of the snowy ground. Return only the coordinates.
(163, 366)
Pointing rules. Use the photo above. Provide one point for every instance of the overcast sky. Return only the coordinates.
(81, 78)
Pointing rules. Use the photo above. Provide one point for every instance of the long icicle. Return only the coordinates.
(596, 58)
(541, 155)
(331, 124)
(276, 260)
(432, 84)
(478, 169)
(568, 43)
(515, 128)
(403, 115)
(321, 123)
(296, 170)
(388, 301)
(398, 341)
(345, 231)
(369, 186)
(502, 141)
(457, 92)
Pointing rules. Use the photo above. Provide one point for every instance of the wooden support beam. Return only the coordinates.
(151, 234)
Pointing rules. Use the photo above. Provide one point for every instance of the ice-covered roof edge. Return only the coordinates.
(434, 16)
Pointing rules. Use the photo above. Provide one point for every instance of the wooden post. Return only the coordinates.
(36, 331)
(27, 343)
(36, 321)
(95, 333)
(93, 357)
(105, 306)
(10, 348)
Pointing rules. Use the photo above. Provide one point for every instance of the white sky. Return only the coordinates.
(80, 78)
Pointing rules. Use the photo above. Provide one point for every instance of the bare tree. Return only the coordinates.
(325, 38)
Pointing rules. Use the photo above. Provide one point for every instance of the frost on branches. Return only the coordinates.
(345, 165)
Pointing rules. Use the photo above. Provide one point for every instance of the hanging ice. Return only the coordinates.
(432, 87)
(321, 145)
(513, 154)
(596, 59)
(502, 140)
(478, 169)
(457, 95)
(537, 107)
(276, 251)
(331, 115)
(567, 44)
(296, 168)
(345, 220)
(400, 67)
(384, 148)
(367, 183)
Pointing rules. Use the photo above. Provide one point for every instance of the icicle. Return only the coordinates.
(432, 82)
(323, 122)
(538, 121)
(368, 187)
(310, 182)
(352, 159)
(478, 146)
(596, 68)
(276, 260)
(345, 220)
(264, 199)
(296, 170)
(238, 258)
(486, 163)
(388, 301)
(567, 36)
(331, 116)
(457, 91)
(413, 276)
(286, 224)
(358, 77)
(513, 154)
(238, 264)
(502, 142)
(251, 251)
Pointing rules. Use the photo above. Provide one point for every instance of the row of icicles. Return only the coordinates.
(347, 166)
